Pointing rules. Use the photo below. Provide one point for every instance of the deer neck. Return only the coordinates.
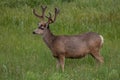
(48, 37)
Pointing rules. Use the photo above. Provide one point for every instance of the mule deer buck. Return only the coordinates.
(64, 46)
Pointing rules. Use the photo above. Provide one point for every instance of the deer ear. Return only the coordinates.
(47, 25)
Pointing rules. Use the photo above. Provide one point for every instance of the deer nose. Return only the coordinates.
(34, 32)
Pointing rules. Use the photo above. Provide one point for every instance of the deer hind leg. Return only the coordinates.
(58, 63)
(97, 56)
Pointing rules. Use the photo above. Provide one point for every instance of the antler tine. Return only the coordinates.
(49, 18)
(34, 12)
(56, 13)
(43, 11)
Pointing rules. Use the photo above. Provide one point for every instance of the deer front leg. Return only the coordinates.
(62, 62)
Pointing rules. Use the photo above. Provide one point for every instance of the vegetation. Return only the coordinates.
(24, 56)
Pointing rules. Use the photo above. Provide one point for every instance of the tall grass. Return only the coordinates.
(24, 56)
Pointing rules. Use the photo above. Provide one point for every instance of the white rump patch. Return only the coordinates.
(102, 39)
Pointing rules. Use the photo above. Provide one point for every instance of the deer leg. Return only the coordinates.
(62, 62)
(98, 57)
(58, 63)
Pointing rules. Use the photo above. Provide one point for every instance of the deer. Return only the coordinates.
(68, 46)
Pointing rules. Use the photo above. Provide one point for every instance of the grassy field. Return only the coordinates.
(24, 56)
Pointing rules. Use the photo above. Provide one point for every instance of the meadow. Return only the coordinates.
(24, 56)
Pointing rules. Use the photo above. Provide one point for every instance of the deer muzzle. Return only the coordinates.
(34, 32)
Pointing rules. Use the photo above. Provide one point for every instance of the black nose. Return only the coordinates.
(34, 33)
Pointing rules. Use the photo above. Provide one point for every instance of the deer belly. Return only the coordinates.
(77, 53)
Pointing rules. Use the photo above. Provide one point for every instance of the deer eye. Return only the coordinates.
(41, 28)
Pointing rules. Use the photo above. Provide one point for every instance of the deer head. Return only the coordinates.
(44, 25)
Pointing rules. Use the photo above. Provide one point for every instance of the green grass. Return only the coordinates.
(24, 56)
